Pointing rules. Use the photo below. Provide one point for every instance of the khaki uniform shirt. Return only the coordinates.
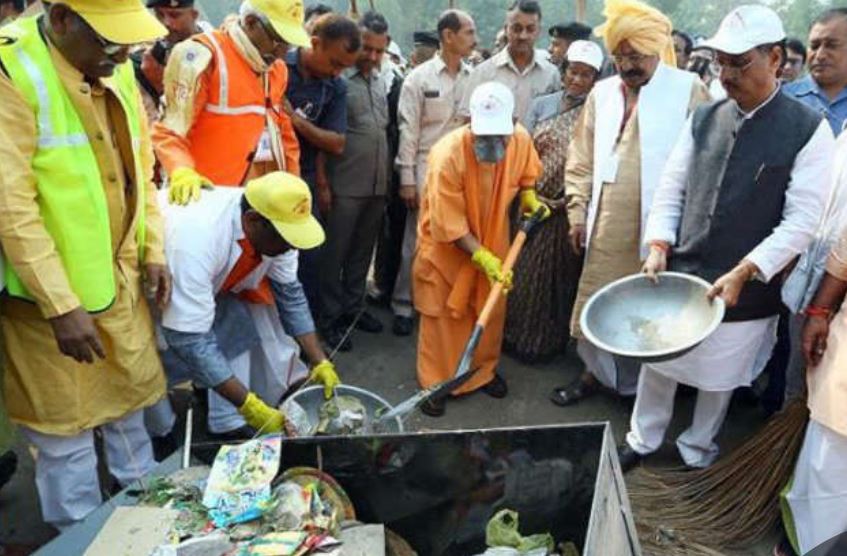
(428, 110)
(539, 78)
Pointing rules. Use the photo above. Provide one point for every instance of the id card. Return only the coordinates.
(609, 170)
(264, 153)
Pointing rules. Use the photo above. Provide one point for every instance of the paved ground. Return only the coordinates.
(385, 364)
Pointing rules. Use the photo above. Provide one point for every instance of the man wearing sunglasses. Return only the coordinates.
(740, 198)
(82, 237)
(224, 121)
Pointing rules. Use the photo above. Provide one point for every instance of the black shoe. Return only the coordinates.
(8, 466)
(403, 326)
(163, 446)
(378, 299)
(236, 435)
(572, 393)
(368, 323)
(497, 388)
(434, 407)
(628, 457)
(334, 337)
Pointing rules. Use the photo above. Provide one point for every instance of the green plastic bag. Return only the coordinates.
(502, 531)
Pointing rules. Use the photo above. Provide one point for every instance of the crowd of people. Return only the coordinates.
(223, 206)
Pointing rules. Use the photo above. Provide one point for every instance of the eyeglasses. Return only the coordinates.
(632, 59)
(738, 65)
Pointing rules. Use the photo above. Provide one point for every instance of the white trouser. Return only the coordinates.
(653, 412)
(612, 372)
(818, 494)
(66, 467)
(401, 300)
(160, 418)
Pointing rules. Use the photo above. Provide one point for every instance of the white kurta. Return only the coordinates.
(817, 498)
(730, 357)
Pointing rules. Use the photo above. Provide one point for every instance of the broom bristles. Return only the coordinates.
(728, 506)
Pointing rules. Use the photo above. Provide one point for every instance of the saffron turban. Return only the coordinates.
(647, 29)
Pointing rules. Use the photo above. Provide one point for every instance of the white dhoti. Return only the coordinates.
(268, 366)
(268, 369)
(733, 356)
(613, 372)
(815, 506)
(66, 467)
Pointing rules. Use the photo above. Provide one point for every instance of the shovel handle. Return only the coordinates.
(497, 288)
(526, 225)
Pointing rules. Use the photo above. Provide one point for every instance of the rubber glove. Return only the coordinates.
(185, 186)
(260, 416)
(530, 205)
(324, 373)
(492, 267)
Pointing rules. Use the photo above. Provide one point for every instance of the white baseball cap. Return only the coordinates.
(492, 105)
(745, 28)
(586, 52)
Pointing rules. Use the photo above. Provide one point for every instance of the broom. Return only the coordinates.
(728, 506)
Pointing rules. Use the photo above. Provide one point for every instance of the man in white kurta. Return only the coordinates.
(625, 133)
(815, 504)
(741, 196)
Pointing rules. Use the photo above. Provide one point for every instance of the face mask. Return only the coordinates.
(489, 149)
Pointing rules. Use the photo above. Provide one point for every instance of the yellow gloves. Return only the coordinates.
(492, 267)
(324, 373)
(530, 204)
(260, 416)
(185, 186)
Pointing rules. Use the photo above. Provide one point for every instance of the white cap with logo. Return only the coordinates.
(492, 105)
(745, 28)
(586, 52)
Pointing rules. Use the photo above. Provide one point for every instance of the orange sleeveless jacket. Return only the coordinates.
(225, 135)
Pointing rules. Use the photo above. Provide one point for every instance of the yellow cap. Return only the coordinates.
(119, 21)
(286, 201)
(286, 17)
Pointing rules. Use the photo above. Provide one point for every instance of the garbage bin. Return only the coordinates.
(439, 489)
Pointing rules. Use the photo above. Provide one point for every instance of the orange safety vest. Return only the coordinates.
(226, 134)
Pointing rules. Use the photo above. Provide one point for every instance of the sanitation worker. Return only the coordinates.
(238, 316)
(224, 119)
(82, 241)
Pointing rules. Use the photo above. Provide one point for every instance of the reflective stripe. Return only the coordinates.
(46, 138)
(222, 107)
(237, 111)
(223, 94)
(53, 142)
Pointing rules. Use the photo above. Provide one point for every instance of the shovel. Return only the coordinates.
(463, 369)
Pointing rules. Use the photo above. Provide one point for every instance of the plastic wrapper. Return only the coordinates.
(239, 487)
(502, 531)
(342, 415)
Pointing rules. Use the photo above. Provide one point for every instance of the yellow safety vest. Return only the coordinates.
(70, 189)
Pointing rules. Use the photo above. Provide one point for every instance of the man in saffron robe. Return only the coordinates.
(474, 174)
